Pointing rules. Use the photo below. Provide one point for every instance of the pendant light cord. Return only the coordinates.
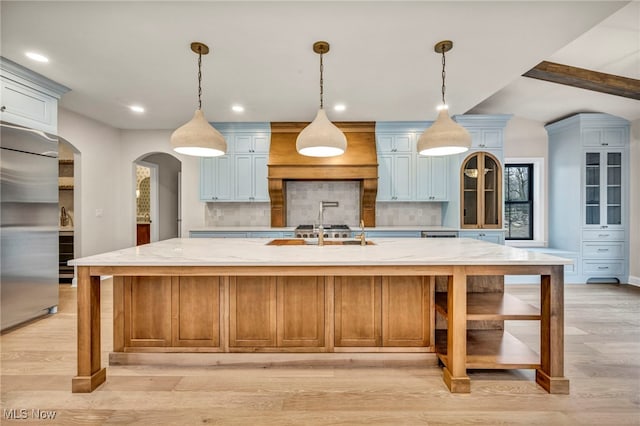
(443, 77)
(199, 78)
(321, 83)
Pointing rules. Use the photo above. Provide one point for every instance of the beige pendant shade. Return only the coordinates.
(198, 138)
(444, 137)
(321, 138)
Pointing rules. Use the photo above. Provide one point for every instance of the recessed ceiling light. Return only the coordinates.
(237, 108)
(339, 107)
(136, 108)
(37, 57)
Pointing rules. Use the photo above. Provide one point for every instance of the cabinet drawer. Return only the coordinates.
(603, 250)
(604, 269)
(602, 235)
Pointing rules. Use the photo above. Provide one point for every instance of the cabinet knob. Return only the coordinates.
(605, 144)
(3, 108)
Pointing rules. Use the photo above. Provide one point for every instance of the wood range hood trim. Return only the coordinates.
(358, 163)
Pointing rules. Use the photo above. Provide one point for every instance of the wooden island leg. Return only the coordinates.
(90, 374)
(455, 372)
(550, 375)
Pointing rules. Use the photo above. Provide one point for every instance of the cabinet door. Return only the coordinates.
(243, 144)
(207, 179)
(196, 311)
(613, 191)
(402, 185)
(357, 310)
(260, 178)
(603, 192)
(481, 196)
(439, 178)
(147, 318)
(300, 303)
(384, 143)
(252, 312)
(215, 179)
(261, 144)
(385, 177)
(243, 172)
(403, 143)
(27, 107)
(406, 307)
(608, 137)
(432, 178)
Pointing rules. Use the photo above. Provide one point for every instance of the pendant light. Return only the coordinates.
(321, 138)
(198, 137)
(444, 137)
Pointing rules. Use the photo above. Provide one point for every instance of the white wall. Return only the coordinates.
(168, 169)
(138, 143)
(525, 138)
(634, 214)
(98, 217)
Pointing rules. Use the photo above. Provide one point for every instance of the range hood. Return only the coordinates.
(358, 163)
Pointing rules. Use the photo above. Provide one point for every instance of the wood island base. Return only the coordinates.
(299, 314)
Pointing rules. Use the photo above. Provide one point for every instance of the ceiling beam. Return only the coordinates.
(586, 79)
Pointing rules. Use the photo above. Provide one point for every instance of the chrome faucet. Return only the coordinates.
(323, 205)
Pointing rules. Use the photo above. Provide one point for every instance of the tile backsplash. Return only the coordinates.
(303, 199)
(237, 214)
(408, 214)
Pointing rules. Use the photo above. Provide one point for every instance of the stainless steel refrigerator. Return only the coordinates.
(29, 224)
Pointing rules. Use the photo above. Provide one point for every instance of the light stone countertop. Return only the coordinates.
(353, 228)
(255, 252)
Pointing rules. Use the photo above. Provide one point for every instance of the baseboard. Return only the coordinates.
(634, 281)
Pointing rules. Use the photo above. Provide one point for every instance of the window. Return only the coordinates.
(519, 201)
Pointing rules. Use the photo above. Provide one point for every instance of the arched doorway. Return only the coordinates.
(157, 197)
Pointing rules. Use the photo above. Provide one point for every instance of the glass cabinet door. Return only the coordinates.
(491, 188)
(470, 191)
(592, 188)
(481, 197)
(614, 188)
(603, 188)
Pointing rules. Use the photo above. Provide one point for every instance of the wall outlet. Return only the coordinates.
(99, 212)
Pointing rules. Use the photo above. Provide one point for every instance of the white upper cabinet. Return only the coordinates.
(28, 99)
(432, 175)
(241, 175)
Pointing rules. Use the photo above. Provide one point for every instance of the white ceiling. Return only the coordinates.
(381, 64)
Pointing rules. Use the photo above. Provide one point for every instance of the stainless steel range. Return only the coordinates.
(330, 231)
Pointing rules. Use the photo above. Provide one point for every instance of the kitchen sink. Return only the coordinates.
(303, 242)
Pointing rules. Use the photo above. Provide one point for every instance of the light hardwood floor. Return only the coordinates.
(602, 360)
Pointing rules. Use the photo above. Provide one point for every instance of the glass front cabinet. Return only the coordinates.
(603, 188)
(481, 197)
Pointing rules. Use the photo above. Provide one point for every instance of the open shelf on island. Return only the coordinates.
(491, 349)
(492, 306)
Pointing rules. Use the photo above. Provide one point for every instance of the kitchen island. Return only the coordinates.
(244, 295)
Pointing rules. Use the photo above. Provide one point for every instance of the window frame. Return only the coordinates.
(529, 202)
(540, 201)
